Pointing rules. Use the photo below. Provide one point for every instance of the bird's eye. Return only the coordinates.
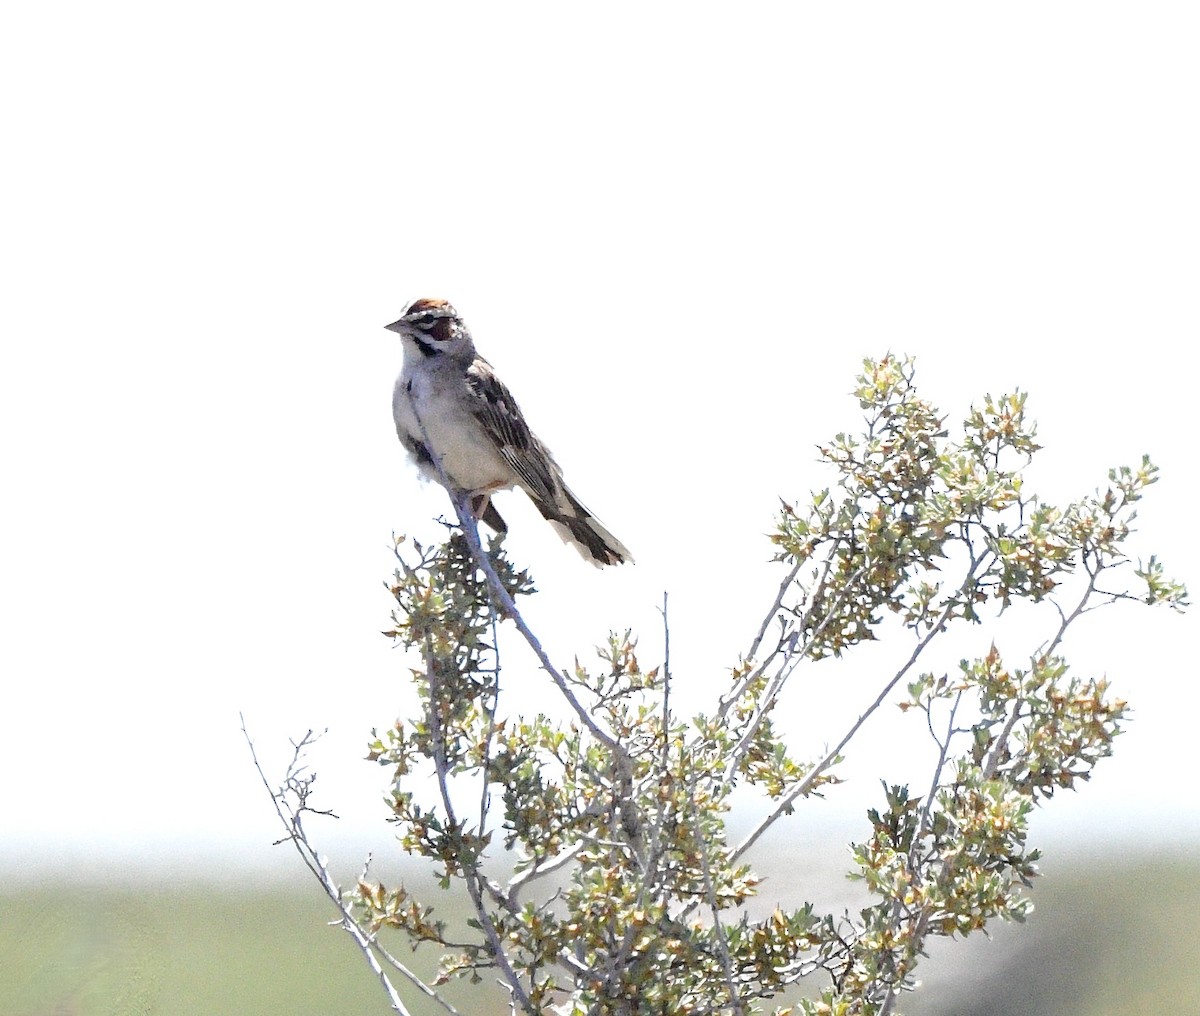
(437, 326)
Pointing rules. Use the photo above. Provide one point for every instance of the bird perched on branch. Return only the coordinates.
(464, 429)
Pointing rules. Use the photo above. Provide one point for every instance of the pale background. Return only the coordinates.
(675, 229)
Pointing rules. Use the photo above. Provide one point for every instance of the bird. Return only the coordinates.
(464, 429)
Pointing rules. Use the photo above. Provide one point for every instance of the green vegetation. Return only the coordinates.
(1107, 939)
(627, 884)
(194, 951)
(625, 890)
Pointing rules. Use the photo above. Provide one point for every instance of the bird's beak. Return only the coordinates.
(395, 326)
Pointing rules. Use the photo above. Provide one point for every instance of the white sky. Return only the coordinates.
(674, 229)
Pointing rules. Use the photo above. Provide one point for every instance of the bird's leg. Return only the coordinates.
(482, 508)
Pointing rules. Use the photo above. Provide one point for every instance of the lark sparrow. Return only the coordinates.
(449, 403)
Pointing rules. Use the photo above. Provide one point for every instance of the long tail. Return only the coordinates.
(582, 530)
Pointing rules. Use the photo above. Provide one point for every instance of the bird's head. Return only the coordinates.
(433, 327)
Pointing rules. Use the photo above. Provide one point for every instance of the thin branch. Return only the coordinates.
(927, 808)
(809, 781)
(490, 719)
(920, 927)
(736, 692)
(992, 763)
(519, 881)
(472, 876)
(650, 886)
(508, 901)
(998, 747)
(501, 598)
(470, 529)
(795, 652)
(710, 894)
(771, 614)
(427, 991)
(1080, 609)
(292, 823)
(943, 755)
(665, 760)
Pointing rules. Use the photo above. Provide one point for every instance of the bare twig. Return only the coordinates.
(773, 612)
(291, 819)
(518, 882)
(735, 693)
(923, 824)
(666, 700)
(1080, 608)
(803, 787)
(792, 656)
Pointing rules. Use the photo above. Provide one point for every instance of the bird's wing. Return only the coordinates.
(497, 411)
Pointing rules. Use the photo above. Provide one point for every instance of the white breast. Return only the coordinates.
(469, 458)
